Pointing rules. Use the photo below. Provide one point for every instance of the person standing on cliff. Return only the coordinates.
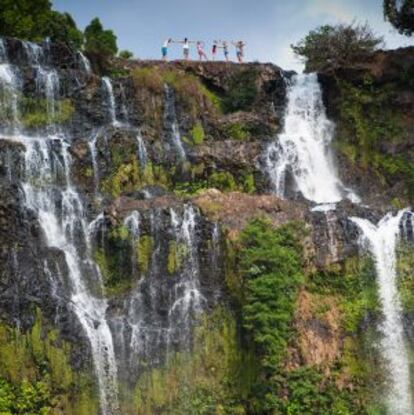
(164, 49)
(200, 50)
(186, 47)
(239, 50)
(226, 51)
(214, 50)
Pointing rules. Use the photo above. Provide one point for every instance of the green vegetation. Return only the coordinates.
(272, 271)
(176, 255)
(331, 46)
(367, 122)
(35, 112)
(35, 20)
(237, 131)
(405, 267)
(214, 378)
(400, 15)
(36, 376)
(242, 91)
(197, 134)
(99, 41)
(125, 54)
(222, 180)
(144, 250)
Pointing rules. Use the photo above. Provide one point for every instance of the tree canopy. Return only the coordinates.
(330, 46)
(100, 41)
(401, 15)
(36, 20)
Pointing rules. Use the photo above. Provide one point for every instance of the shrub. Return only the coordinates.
(125, 54)
(197, 134)
(330, 46)
(237, 131)
(148, 78)
(223, 181)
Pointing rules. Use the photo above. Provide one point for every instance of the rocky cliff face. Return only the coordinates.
(123, 201)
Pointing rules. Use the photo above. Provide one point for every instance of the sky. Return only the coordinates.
(268, 26)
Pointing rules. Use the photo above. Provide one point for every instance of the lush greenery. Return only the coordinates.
(125, 54)
(36, 376)
(271, 268)
(369, 123)
(400, 14)
(331, 46)
(35, 20)
(98, 40)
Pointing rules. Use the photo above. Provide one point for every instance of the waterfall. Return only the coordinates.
(142, 151)
(85, 64)
(111, 100)
(303, 146)
(171, 123)
(50, 194)
(381, 240)
(92, 149)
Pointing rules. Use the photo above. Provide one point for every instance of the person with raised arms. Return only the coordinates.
(200, 50)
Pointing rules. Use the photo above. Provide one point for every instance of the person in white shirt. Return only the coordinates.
(164, 49)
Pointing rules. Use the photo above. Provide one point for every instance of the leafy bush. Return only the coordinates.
(330, 46)
(148, 78)
(223, 181)
(237, 131)
(125, 54)
(271, 267)
(401, 15)
(242, 91)
(197, 134)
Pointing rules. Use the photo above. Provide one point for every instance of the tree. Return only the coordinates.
(401, 15)
(35, 20)
(99, 41)
(126, 54)
(62, 28)
(25, 19)
(330, 46)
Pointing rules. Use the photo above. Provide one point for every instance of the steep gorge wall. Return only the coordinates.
(170, 171)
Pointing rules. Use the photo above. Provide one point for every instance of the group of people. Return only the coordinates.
(200, 47)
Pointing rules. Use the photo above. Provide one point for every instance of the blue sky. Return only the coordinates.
(268, 26)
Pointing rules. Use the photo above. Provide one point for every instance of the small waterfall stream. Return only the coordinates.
(107, 84)
(171, 123)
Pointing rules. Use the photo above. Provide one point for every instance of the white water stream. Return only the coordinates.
(381, 240)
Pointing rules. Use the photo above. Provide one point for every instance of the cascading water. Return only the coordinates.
(59, 208)
(142, 151)
(111, 100)
(170, 121)
(86, 65)
(381, 240)
(303, 146)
